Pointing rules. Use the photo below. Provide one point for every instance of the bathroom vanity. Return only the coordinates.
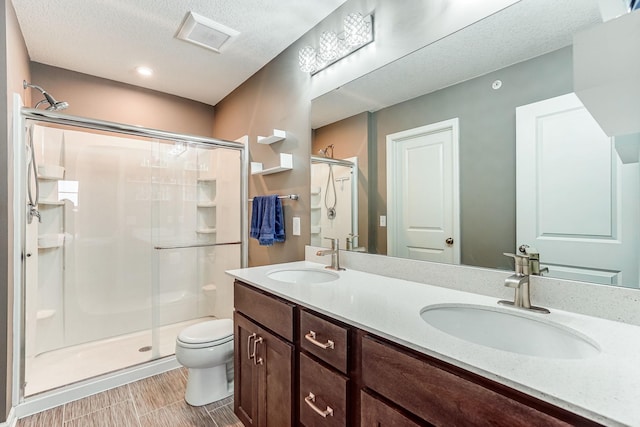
(352, 349)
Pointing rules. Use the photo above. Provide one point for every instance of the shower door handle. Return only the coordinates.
(249, 354)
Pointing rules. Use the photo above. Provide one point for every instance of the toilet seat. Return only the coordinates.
(206, 334)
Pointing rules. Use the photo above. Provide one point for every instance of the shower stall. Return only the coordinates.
(128, 235)
(334, 201)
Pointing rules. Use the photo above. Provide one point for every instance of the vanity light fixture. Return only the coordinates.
(332, 47)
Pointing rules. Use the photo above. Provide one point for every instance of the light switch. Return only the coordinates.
(383, 220)
(296, 225)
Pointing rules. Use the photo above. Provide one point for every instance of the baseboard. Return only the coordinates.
(12, 420)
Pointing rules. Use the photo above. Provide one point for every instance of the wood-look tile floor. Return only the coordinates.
(156, 401)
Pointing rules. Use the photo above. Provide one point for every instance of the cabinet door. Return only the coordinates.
(245, 382)
(263, 376)
(375, 413)
(274, 358)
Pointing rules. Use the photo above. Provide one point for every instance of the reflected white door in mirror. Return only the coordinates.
(422, 193)
(577, 203)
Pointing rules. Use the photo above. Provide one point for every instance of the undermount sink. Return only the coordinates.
(303, 275)
(509, 331)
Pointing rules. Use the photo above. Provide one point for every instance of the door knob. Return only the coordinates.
(449, 241)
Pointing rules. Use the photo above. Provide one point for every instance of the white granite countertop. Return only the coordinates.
(604, 388)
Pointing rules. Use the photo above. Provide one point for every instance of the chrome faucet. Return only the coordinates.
(520, 283)
(350, 239)
(334, 252)
(534, 260)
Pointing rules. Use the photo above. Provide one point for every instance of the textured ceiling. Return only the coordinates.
(525, 30)
(110, 38)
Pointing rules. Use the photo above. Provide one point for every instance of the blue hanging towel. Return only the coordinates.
(267, 220)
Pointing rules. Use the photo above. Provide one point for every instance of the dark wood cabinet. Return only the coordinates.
(297, 367)
(376, 413)
(263, 374)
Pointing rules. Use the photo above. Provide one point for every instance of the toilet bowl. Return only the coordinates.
(206, 349)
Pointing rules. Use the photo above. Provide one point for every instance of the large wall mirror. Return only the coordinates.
(477, 144)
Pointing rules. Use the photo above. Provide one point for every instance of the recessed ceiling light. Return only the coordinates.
(144, 71)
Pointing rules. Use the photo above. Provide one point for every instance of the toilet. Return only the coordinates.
(206, 349)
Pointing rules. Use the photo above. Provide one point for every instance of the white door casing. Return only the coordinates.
(570, 203)
(422, 193)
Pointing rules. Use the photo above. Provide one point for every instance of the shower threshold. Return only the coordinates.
(61, 367)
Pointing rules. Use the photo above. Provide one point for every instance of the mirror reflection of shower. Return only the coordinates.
(334, 200)
(330, 196)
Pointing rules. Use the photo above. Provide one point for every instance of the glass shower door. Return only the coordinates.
(135, 236)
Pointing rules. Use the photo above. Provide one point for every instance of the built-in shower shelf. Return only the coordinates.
(315, 190)
(206, 204)
(206, 180)
(316, 207)
(45, 314)
(277, 135)
(206, 230)
(211, 287)
(50, 172)
(49, 178)
(316, 229)
(51, 202)
(286, 164)
(47, 241)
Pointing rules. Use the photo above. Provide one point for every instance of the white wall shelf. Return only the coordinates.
(286, 163)
(51, 202)
(278, 135)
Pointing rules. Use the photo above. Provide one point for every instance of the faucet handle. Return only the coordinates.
(521, 262)
(335, 242)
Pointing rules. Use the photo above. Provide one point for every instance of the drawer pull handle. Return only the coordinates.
(310, 400)
(249, 354)
(311, 337)
(257, 360)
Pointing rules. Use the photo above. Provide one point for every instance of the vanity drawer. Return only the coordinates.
(439, 396)
(323, 395)
(375, 413)
(275, 314)
(324, 339)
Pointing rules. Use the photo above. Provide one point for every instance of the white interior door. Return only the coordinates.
(422, 193)
(570, 203)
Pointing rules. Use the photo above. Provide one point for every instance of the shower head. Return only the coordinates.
(53, 104)
(325, 151)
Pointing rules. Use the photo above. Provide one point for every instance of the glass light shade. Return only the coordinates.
(328, 46)
(307, 59)
(355, 29)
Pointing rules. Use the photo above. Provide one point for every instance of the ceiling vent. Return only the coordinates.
(204, 32)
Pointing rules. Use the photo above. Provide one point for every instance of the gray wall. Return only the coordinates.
(277, 97)
(487, 148)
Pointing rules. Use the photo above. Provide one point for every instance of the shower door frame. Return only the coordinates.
(21, 116)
